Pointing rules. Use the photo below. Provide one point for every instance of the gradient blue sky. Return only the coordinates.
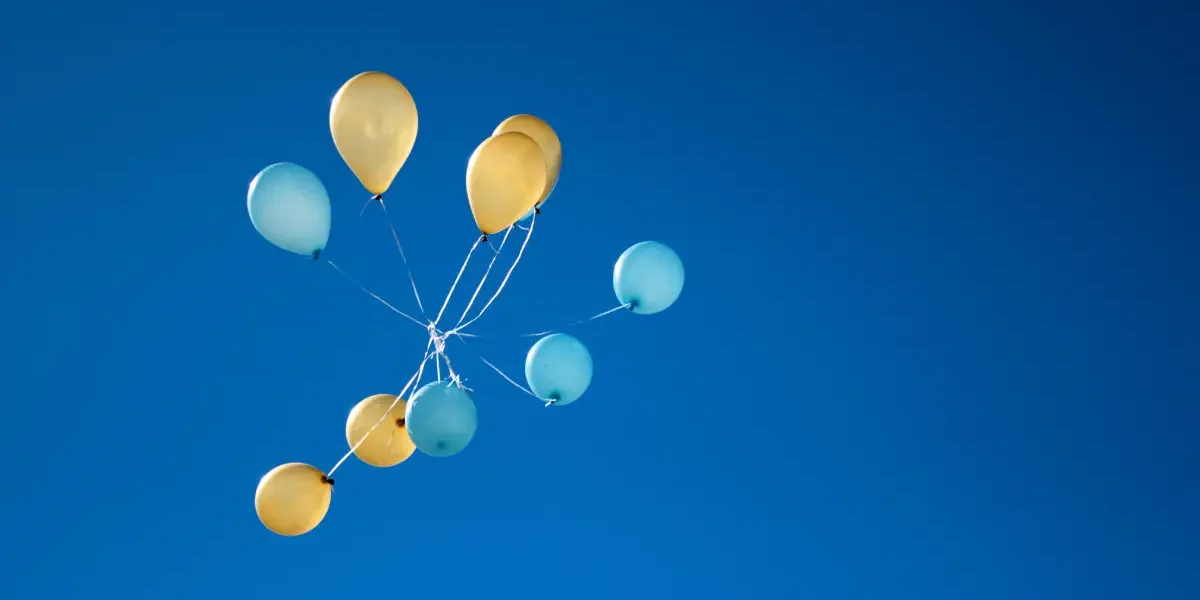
(938, 340)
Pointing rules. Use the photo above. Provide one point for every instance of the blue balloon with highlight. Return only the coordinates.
(289, 207)
(558, 369)
(648, 277)
(441, 419)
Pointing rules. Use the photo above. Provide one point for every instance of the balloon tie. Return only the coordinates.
(327, 479)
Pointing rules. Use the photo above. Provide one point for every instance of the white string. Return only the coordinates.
(502, 374)
(414, 379)
(484, 280)
(403, 258)
(579, 322)
(455, 284)
(373, 295)
(503, 283)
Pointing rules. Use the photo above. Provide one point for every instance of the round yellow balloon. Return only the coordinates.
(505, 178)
(373, 119)
(388, 445)
(292, 499)
(546, 138)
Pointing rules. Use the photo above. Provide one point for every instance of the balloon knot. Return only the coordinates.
(378, 197)
(633, 304)
(316, 254)
(537, 210)
(483, 238)
(400, 422)
(326, 479)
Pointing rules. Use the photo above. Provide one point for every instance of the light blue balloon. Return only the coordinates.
(558, 368)
(648, 277)
(441, 419)
(290, 208)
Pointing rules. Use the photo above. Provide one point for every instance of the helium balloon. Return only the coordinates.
(558, 368)
(292, 499)
(373, 119)
(441, 419)
(289, 207)
(648, 277)
(505, 178)
(526, 216)
(547, 140)
(388, 444)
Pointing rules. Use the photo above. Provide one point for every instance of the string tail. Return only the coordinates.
(374, 295)
(504, 282)
(579, 322)
(456, 280)
(403, 258)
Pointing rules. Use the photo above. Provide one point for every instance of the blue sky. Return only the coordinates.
(938, 337)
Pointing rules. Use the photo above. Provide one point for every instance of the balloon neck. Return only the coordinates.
(326, 479)
(378, 197)
(537, 210)
(316, 254)
(483, 238)
(633, 304)
(400, 422)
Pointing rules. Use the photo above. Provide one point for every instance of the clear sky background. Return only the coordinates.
(938, 338)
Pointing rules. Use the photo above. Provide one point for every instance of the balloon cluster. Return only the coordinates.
(373, 120)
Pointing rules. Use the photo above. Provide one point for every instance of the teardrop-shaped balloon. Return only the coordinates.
(441, 419)
(558, 369)
(547, 140)
(505, 178)
(373, 120)
(292, 499)
(289, 207)
(388, 443)
(648, 277)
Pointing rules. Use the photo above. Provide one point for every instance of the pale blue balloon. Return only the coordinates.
(441, 419)
(558, 368)
(648, 277)
(290, 208)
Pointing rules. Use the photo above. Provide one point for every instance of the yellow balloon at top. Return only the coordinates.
(373, 119)
(546, 138)
(292, 499)
(505, 179)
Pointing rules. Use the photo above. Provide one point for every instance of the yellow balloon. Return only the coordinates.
(544, 135)
(292, 499)
(388, 445)
(373, 119)
(505, 178)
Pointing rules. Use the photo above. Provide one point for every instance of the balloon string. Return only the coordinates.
(374, 295)
(484, 280)
(501, 373)
(579, 322)
(456, 279)
(416, 378)
(403, 258)
(528, 234)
